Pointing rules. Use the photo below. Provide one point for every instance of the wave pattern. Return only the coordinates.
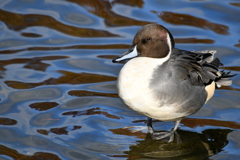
(58, 98)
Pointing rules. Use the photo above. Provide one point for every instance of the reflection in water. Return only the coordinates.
(58, 98)
(235, 4)
(64, 130)
(108, 46)
(92, 111)
(238, 44)
(37, 155)
(188, 145)
(43, 106)
(32, 63)
(83, 93)
(7, 121)
(185, 19)
(19, 22)
(103, 9)
(193, 40)
(67, 78)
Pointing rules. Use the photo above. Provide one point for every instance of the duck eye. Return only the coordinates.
(146, 40)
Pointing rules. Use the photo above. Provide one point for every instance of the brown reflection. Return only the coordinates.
(108, 46)
(107, 56)
(31, 35)
(18, 156)
(184, 19)
(2, 69)
(67, 78)
(32, 63)
(193, 40)
(19, 22)
(92, 111)
(235, 4)
(83, 93)
(43, 106)
(7, 121)
(43, 131)
(193, 123)
(232, 68)
(64, 130)
(128, 132)
(133, 3)
(229, 88)
(104, 9)
(237, 45)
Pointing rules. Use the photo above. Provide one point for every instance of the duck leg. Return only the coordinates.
(149, 124)
(162, 135)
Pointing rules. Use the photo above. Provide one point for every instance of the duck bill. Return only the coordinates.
(131, 53)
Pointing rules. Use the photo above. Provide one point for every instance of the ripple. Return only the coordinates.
(67, 78)
(185, 19)
(103, 9)
(19, 22)
(92, 111)
(77, 18)
(52, 48)
(37, 94)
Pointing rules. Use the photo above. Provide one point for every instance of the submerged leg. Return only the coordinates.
(162, 135)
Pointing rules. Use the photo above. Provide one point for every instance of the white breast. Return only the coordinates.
(133, 86)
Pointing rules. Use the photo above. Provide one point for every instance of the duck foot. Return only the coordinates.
(163, 135)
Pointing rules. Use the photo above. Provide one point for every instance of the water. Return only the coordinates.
(58, 94)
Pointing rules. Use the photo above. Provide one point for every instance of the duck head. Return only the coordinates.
(152, 40)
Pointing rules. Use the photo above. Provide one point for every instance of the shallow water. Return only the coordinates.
(58, 94)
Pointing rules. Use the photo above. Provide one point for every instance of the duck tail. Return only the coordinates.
(224, 79)
(221, 78)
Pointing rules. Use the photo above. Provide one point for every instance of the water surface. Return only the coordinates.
(58, 97)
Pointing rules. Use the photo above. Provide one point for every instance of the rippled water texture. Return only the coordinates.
(58, 98)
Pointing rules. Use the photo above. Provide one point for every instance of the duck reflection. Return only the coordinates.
(187, 145)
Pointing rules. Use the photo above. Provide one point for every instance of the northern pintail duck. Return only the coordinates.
(166, 83)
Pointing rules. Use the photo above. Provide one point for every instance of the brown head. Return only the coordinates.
(152, 40)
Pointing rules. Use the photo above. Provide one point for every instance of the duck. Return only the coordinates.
(164, 83)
